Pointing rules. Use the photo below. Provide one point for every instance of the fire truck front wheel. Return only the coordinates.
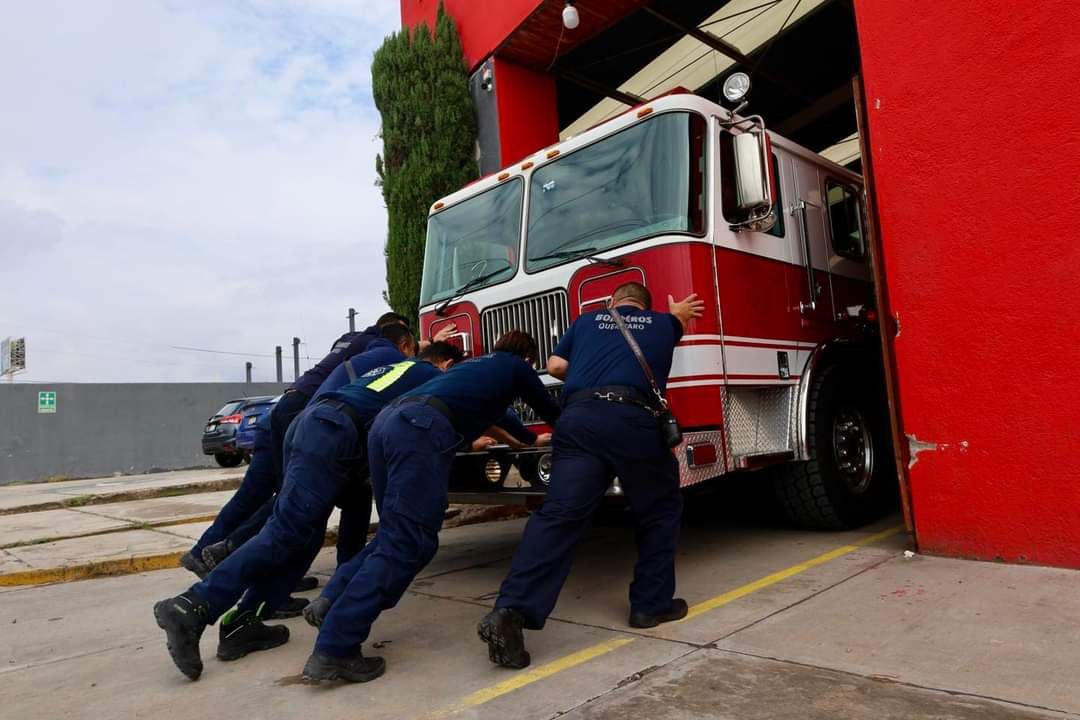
(849, 480)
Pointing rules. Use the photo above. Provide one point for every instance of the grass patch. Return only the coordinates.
(79, 501)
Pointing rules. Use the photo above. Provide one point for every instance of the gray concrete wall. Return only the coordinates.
(101, 429)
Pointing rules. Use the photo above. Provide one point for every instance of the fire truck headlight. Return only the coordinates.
(736, 86)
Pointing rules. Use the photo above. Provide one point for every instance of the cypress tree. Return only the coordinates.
(421, 88)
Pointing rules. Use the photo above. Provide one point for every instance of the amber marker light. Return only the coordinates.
(644, 111)
(503, 176)
(552, 153)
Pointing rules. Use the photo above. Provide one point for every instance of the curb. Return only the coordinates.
(171, 560)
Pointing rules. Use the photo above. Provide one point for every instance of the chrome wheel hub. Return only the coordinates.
(543, 468)
(853, 448)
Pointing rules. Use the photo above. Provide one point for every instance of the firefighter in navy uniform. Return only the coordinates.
(411, 447)
(297, 397)
(325, 451)
(608, 429)
(393, 343)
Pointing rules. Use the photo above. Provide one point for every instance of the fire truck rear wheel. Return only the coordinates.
(849, 480)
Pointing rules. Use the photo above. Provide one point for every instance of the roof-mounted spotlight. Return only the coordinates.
(736, 87)
(570, 17)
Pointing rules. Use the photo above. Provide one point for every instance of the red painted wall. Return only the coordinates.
(528, 110)
(976, 157)
(483, 24)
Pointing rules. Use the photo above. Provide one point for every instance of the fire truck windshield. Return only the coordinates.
(473, 243)
(643, 181)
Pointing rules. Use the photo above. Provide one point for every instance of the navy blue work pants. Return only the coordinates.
(595, 441)
(410, 450)
(321, 447)
(250, 504)
(281, 416)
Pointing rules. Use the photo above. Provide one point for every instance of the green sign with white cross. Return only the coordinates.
(46, 402)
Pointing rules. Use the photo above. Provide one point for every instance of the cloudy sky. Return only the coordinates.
(186, 173)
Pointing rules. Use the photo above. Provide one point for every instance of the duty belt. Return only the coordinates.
(623, 394)
(432, 402)
(347, 410)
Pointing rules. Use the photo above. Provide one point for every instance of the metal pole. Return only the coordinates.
(296, 358)
(247, 371)
(352, 319)
(277, 354)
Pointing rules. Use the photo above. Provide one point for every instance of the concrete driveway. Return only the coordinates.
(784, 624)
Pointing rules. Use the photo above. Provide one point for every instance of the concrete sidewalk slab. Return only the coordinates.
(1003, 631)
(40, 496)
(91, 556)
(26, 528)
(178, 509)
(714, 685)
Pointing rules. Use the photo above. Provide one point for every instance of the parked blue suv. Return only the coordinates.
(245, 434)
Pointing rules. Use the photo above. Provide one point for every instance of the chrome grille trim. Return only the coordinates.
(527, 415)
(545, 317)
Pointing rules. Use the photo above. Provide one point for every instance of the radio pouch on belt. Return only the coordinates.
(669, 426)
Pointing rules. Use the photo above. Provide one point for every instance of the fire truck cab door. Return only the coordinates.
(810, 238)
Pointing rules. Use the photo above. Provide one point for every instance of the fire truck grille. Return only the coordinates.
(545, 317)
(527, 414)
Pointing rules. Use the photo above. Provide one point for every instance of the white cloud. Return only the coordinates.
(197, 174)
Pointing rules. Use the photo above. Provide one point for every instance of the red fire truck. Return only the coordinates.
(782, 373)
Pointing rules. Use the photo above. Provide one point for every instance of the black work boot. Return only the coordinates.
(316, 611)
(308, 582)
(214, 555)
(242, 632)
(643, 620)
(290, 608)
(194, 564)
(183, 618)
(355, 669)
(501, 630)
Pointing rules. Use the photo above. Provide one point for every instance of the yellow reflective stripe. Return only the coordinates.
(392, 376)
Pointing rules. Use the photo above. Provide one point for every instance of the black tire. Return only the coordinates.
(229, 460)
(846, 415)
(535, 469)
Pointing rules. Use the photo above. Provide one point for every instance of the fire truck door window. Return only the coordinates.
(778, 209)
(845, 220)
(477, 238)
(643, 181)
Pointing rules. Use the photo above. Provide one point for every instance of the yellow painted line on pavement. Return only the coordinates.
(538, 673)
(528, 677)
(753, 587)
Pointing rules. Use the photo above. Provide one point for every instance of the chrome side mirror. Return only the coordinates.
(755, 186)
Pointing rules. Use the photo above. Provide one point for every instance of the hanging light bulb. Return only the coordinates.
(570, 17)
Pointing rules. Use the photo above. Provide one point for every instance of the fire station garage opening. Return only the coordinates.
(785, 379)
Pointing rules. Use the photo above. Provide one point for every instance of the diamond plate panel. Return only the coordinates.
(759, 420)
(693, 475)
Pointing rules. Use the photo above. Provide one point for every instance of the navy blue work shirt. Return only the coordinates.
(344, 348)
(379, 352)
(376, 388)
(599, 354)
(479, 391)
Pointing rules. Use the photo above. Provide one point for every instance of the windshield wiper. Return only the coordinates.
(586, 253)
(479, 279)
